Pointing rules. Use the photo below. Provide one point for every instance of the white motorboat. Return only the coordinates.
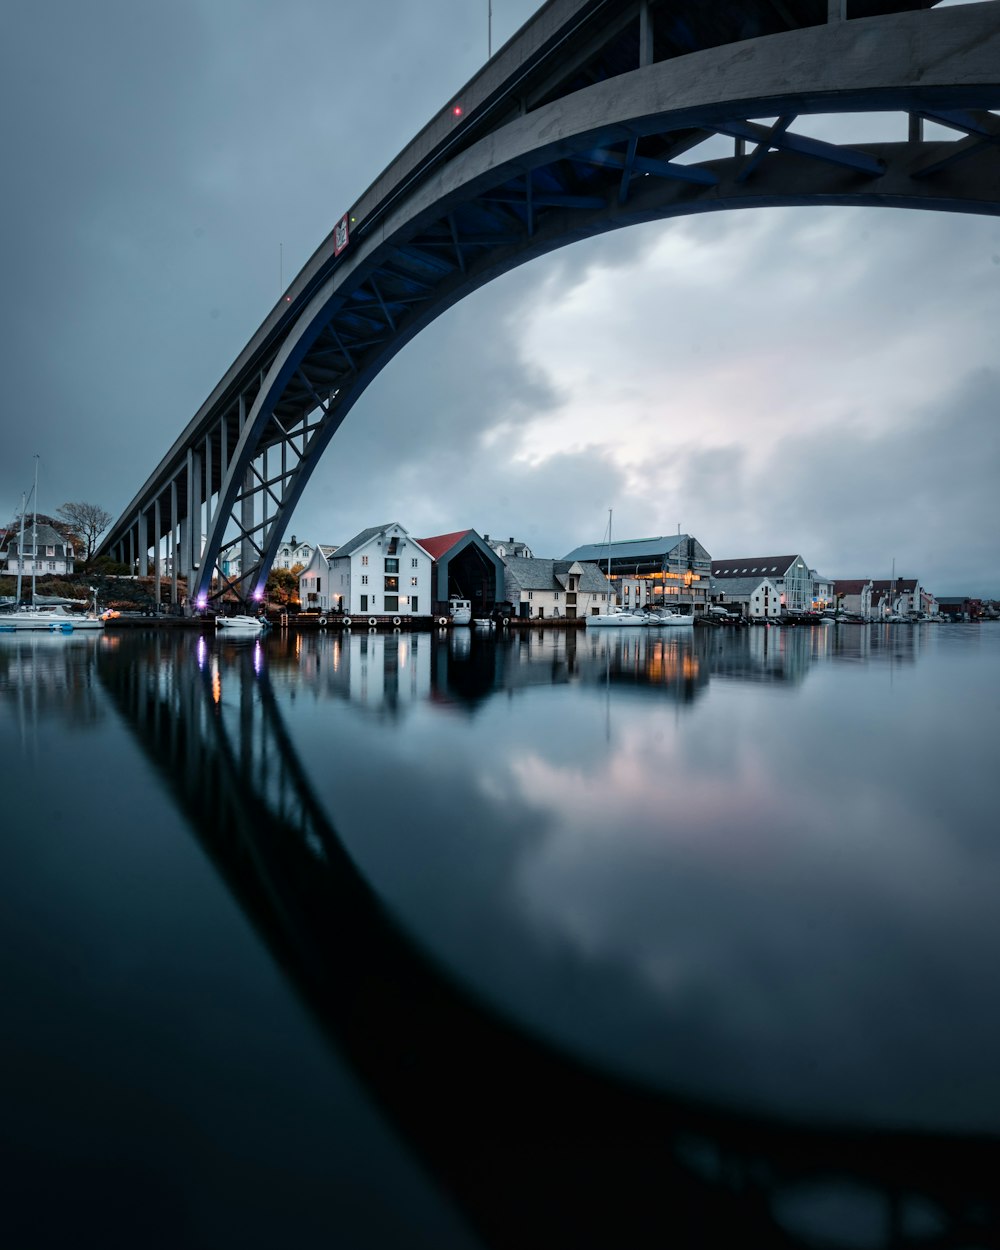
(660, 618)
(617, 620)
(241, 624)
(461, 611)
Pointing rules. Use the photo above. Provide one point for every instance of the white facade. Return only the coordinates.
(756, 598)
(314, 580)
(381, 572)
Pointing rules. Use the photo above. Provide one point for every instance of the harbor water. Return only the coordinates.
(461, 940)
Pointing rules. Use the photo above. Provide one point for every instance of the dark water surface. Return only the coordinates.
(557, 940)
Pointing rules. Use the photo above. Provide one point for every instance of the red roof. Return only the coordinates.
(436, 547)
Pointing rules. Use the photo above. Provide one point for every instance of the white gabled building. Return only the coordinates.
(314, 580)
(547, 589)
(381, 572)
(756, 598)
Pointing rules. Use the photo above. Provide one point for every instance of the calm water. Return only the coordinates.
(410, 940)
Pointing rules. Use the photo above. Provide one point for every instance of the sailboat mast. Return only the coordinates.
(20, 548)
(34, 534)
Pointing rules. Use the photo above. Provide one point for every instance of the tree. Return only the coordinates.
(283, 587)
(89, 521)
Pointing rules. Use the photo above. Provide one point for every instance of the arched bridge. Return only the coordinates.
(598, 114)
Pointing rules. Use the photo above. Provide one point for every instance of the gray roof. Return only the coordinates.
(537, 574)
(737, 585)
(359, 540)
(46, 537)
(629, 549)
(744, 566)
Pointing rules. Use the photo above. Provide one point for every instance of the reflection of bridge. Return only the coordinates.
(535, 1148)
(598, 114)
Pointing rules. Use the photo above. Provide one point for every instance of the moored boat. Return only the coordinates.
(240, 624)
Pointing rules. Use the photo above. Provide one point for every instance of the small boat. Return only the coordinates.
(461, 611)
(241, 624)
(617, 620)
(663, 617)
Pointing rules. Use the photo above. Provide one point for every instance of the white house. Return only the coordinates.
(541, 589)
(289, 554)
(314, 580)
(45, 553)
(791, 575)
(757, 598)
(381, 572)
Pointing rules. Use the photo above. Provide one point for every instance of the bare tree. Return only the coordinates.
(88, 520)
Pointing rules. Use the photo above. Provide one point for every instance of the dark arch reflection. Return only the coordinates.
(534, 1147)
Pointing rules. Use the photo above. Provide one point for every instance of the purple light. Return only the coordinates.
(258, 595)
(202, 601)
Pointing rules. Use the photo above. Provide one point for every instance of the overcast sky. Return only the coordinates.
(811, 381)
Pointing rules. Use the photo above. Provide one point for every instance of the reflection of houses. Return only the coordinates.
(465, 567)
(314, 581)
(543, 589)
(382, 571)
(790, 574)
(753, 597)
(670, 571)
(44, 553)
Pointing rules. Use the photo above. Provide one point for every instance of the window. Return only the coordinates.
(364, 559)
(50, 551)
(391, 565)
(557, 594)
(319, 583)
(413, 581)
(364, 579)
(531, 594)
(413, 603)
(364, 603)
(392, 584)
(392, 603)
(414, 563)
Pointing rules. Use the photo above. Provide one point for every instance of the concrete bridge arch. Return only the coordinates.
(518, 167)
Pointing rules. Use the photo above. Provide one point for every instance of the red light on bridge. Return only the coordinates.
(457, 110)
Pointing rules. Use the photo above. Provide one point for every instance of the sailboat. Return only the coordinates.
(45, 612)
(616, 618)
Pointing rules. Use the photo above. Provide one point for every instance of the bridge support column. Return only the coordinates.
(157, 551)
(172, 547)
(143, 542)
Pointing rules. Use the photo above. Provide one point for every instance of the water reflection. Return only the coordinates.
(554, 949)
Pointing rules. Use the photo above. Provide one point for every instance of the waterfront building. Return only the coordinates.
(669, 571)
(381, 572)
(790, 574)
(554, 589)
(291, 552)
(45, 553)
(853, 596)
(505, 547)
(466, 566)
(754, 597)
(314, 580)
(898, 596)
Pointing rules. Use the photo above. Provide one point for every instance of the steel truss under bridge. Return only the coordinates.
(598, 114)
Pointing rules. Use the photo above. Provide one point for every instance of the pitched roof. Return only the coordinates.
(739, 585)
(628, 549)
(359, 540)
(46, 536)
(441, 543)
(529, 573)
(747, 566)
(850, 586)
